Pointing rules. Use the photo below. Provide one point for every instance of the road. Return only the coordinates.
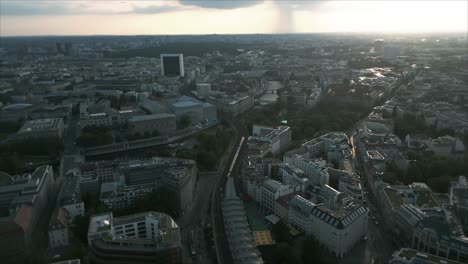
(71, 154)
(378, 247)
(200, 215)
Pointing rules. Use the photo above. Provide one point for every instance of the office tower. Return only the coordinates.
(172, 64)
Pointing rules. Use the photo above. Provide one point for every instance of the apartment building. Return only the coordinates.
(51, 127)
(338, 230)
(58, 229)
(279, 137)
(163, 123)
(148, 237)
(316, 170)
(23, 198)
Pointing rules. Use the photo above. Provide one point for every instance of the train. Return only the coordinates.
(239, 147)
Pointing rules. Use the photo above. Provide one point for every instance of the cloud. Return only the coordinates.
(102, 7)
(286, 9)
(221, 4)
(33, 8)
(156, 9)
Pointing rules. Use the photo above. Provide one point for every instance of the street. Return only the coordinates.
(378, 247)
(199, 215)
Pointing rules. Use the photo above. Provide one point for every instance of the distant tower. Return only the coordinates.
(68, 49)
(391, 53)
(379, 44)
(58, 45)
(172, 64)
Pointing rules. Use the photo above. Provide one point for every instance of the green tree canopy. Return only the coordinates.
(185, 121)
(280, 232)
(283, 254)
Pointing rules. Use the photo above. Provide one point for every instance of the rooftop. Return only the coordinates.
(410, 254)
(40, 125)
(16, 106)
(186, 104)
(393, 197)
(99, 223)
(141, 118)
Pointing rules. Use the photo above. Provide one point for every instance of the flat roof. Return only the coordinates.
(186, 104)
(149, 117)
(100, 222)
(16, 106)
(408, 254)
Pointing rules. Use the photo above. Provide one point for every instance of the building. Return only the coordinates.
(71, 261)
(446, 146)
(379, 45)
(316, 170)
(172, 64)
(411, 256)
(96, 119)
(204, 89)
(51, 127)
(102, 170)
(16, 112)
(239, 236)
(58, 229)
(59, 111)
(439, 237)
(149, 237)
(334, 145)
(23, 199)
(362, 95)
(419, 219)
(163, 123)
(459, 200)
(272, 190)
(292, 176)
(115, 195)
(178, 175)
(198, 112)
(70, 195)
(391, 53)
(351, 186)
(279, 137)
(129, 179)
(338, 230)
(233, 105)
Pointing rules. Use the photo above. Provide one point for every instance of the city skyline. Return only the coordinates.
(108, 17)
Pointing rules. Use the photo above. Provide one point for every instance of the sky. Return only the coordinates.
(171, 17)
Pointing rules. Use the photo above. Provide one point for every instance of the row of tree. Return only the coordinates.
(94, 136)
(436, 172)
(285, 252)
(208, 150)
(415, 125)
(308, 122)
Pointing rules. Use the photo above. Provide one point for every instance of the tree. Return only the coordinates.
(280, 232)
(185, 121)
(207, 159)
(283, 254)
(414, 173)
(311, 251)
(160, 200)
(80, 227)
(155, 133)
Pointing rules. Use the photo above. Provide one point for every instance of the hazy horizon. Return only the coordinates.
(121, 18)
